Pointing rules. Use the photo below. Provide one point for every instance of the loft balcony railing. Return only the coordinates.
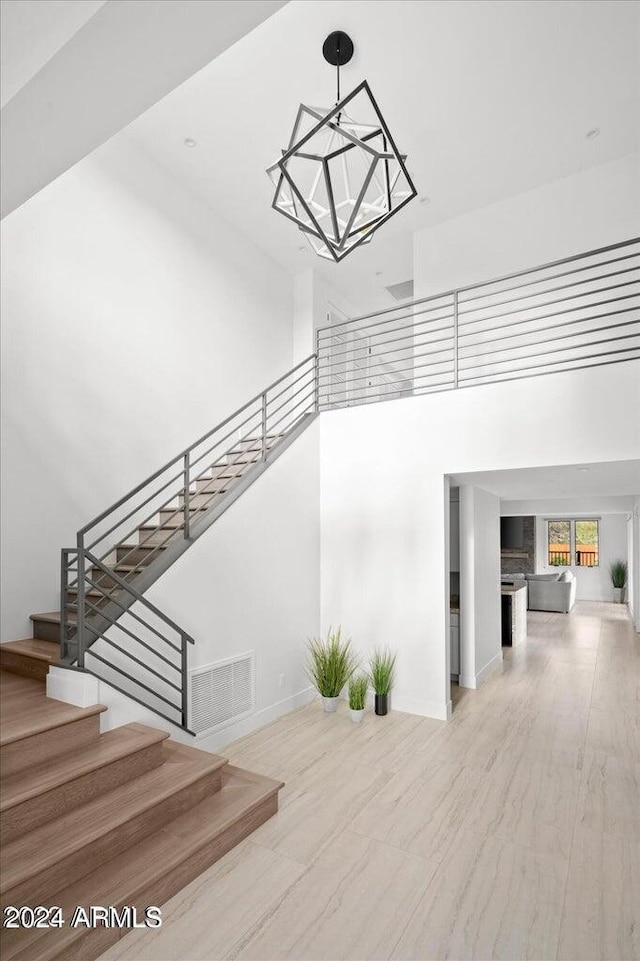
(570, 314)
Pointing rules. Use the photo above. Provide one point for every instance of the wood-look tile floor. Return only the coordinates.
(511, 832)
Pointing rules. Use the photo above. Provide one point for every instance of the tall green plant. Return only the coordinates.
(331, 663)
(618, 572)
(382, 670)
(358, 687)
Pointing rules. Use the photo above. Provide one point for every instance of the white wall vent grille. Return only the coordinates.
(221, 693)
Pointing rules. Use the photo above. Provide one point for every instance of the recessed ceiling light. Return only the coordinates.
(303, 249)
(189, 142)
(583, 469)
(593, 133)
(378, 273)
(425, 200)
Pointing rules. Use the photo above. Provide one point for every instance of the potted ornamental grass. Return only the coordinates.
(382, 675)
(358, 687)
(331, 664)
(618, 574)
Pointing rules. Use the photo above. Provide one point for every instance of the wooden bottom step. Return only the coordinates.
(153, 870)
(40, 863)
(36, 729)
(34, 797)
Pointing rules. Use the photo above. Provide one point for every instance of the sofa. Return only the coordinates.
(547, 592)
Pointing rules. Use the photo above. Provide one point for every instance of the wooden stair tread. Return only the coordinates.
(138, 547)
(142, 874)
(51, 843)
(93, 593)
(172, 525)
(51, 617)
(19, 684)
(33, 647)
(109, 747)
(39, 715)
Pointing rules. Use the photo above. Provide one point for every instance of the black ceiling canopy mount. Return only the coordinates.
(338, 48)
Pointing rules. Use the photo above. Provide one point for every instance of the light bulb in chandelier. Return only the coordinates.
(342, 176)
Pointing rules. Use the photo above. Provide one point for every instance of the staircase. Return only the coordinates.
(151, 539)
(121, 819)
(106, 626)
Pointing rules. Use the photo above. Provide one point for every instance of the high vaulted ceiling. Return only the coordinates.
(487, 98)
(32, 33)
(78, 72)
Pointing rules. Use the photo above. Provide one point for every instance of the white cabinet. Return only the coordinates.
(454, 536)
(454, 661)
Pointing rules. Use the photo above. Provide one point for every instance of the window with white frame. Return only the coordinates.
(573, 541)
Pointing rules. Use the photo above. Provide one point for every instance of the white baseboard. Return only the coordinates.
(247, 725)
(474, 681)
(72, 687)
(441, 711)
(410, 705)
(122, 710)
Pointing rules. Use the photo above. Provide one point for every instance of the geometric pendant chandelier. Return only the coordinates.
(342, 176)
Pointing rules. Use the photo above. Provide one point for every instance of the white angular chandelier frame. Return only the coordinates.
(386, 171)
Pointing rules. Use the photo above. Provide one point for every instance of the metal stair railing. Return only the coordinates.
(575, 313)
(120, 553)
(149, 646)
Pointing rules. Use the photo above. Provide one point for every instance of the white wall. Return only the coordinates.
(250, 584)
(635, 568)
(591, 209)
(383, 507)
(480, 633)
(134, 319)
(631, 568)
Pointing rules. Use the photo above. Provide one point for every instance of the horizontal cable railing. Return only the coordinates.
(119, 553)
(583, 311)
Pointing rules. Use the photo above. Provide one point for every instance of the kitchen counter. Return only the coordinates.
(514, 614)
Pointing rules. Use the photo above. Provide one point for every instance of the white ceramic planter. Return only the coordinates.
(329, 704)
(356, 716)
(617, 595)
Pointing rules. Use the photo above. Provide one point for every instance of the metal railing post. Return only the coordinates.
(455, 338)
(80, 629)
(184, 673)
(264, 426)
(64, 609)
(317, 372)
(187, 496)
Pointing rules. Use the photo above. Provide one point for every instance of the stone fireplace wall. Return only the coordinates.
(524, 561)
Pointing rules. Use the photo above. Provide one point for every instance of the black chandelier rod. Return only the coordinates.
(338, 50)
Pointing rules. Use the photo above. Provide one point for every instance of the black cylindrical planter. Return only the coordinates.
(382, 704)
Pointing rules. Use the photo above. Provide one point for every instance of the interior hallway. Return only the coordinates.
(511, 832)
